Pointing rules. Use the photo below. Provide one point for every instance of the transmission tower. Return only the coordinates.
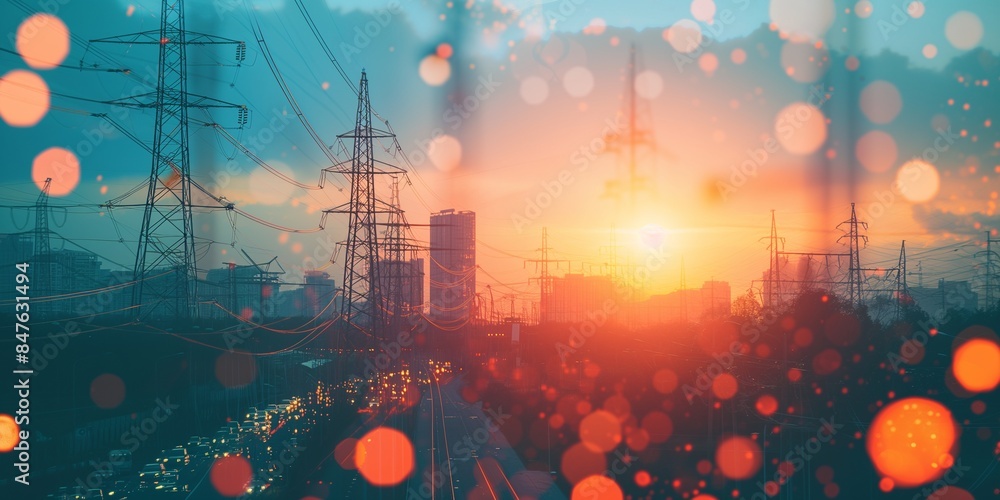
(42, 276)
(990, 279)
(629, 142)
(398, 281)
(363, 302)
(545, 279)
(902, 291)
(166, 239)
(774, 265)
(855, 274)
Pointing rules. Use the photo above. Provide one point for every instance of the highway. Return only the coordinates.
(460, 452)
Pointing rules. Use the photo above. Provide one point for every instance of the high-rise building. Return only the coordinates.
(453, 267)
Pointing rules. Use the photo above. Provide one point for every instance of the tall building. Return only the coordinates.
(453, 267)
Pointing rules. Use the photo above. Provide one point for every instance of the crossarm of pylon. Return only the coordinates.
(152, 37)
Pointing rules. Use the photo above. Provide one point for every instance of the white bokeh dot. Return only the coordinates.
(964, 30)
(534, 90)
(578, 81)
(648, 84)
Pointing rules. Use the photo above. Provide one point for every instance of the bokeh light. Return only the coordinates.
(964, 30)
(445, 152)
(766, 405)
(9, 433)
(665, 381)
(578, 81)
(738, 56)
(684, 36)
(231, 475)
(534, 90)
(601, 430)
(107, 391)
(703, 10)
(384, 456)
(596, 487)
(725, 386)
(43, 41)
(881, 102)
(976, 365)
(802, 20)
(60, 165)
(648, 84)
(912, 441)
(434, 70)
(24, 98)
(876, 151)
(738, 457)
(800, 128)
(918, 181)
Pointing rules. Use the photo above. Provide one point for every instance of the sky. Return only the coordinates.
(515, 110)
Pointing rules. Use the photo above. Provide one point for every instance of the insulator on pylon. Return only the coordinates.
(243, 116)
(241, 52)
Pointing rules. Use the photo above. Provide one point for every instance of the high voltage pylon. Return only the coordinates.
(990, 279)
(166, 239)
(401, 260)
(545, 278)
(629, 142)
(363, 302)
(774, 266)
(42, 273)
(902, 291)
(855, 277)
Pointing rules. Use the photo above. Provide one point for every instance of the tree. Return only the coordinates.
(746, 306)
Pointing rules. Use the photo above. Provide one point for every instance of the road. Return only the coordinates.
(462, 454)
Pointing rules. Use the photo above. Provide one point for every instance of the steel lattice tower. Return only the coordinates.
(395, 255)
(364, 300)
(855, 239)
(42, 275)
(166, 239)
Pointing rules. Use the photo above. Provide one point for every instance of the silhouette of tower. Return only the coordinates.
(166, 238)
(364, 300)
(855, 276)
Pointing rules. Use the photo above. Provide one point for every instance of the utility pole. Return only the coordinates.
(166, 238)
(855, 272)
(545, 279)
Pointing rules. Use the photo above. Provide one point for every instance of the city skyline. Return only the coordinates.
(510, 222)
